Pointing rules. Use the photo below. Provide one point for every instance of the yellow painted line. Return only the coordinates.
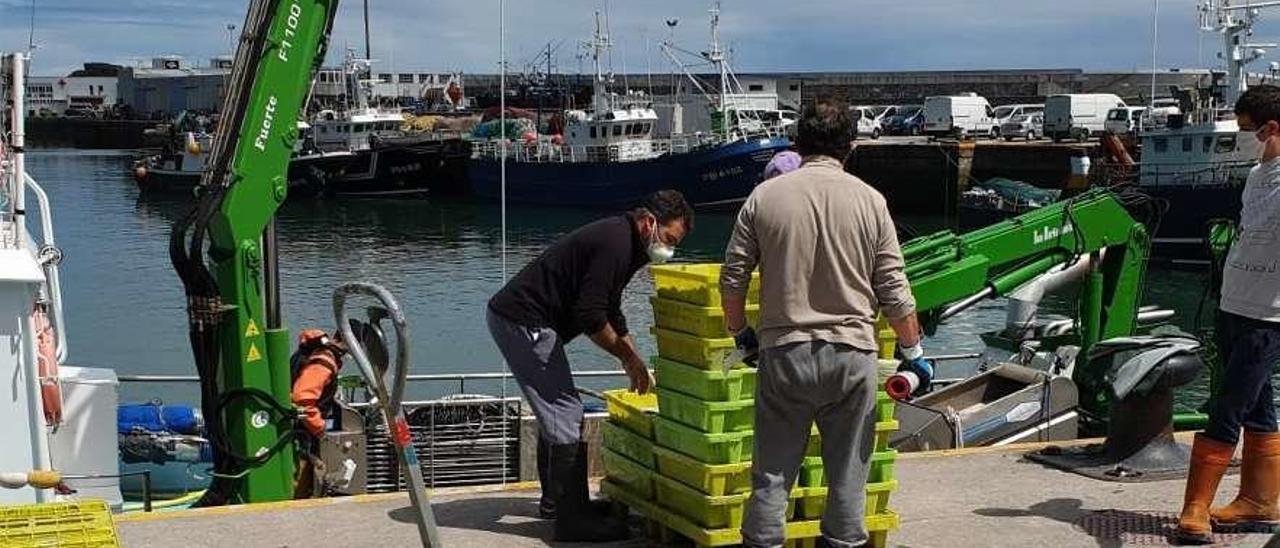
(286, 505)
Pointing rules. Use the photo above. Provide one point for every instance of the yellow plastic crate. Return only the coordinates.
(693, 350)
(701, 321)
(635, 476)
(883, 430)
(800, 534)
(813, 500)
(706, 384)
(61, 524)
(705, 510)
(627, 443)
(710, 479)
(713, 417)
(632, 410)
(725, 448)
(885, 406)
(696, 283)
(812, 473)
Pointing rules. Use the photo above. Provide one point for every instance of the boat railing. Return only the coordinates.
(49, 256)
(548, 152)
(461, 379)
(1196, 174)
(1166, 174)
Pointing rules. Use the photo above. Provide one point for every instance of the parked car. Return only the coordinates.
(958, 115)
(1023, 126)
(1006, 113)
(1125, 120)
(1078, 115)
(909, 120)
(868, 125)
(883, 113)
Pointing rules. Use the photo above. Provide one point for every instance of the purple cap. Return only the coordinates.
(782, 162)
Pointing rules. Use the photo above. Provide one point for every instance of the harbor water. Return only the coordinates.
(442, 259)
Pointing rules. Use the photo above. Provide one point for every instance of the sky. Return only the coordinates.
(762, 35)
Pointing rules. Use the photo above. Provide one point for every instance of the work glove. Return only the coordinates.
(746, 348)
(913, 378)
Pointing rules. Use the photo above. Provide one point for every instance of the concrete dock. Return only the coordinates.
(978, 498)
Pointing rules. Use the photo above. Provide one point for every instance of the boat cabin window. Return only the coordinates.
(1186, 144)
(324, 129)
(1226, 143)
(593, 132)
(1207, 145)
(1162, 144)
(617, 130)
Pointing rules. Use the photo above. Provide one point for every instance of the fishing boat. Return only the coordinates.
(380, 158)
(1198, 160)
(178, 167)
(609, 156)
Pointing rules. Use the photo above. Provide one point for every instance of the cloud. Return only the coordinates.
(438, 35)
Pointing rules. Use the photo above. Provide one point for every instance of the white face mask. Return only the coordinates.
(659, 253)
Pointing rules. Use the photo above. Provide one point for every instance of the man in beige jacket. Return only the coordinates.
(829, 264)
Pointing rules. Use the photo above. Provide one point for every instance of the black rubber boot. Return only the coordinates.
(546, 506)
(575, 520)
(581, 468)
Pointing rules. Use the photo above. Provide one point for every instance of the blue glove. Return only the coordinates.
(748, 345)
(923, 371)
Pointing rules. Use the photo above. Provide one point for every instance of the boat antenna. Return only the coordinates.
(1155, 40)
(368, 54)
(31, 30)
(648, 63)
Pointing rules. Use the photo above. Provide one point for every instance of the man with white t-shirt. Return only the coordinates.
(1248, 330)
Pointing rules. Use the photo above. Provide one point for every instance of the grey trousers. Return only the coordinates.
(798, 384)
(537, 360)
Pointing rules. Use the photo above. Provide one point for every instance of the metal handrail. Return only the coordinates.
(460, 378)
(49, 257)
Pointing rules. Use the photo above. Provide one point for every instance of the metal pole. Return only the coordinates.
(502, 123)
(146, 490)
(368, 53)
(18, 143)
(1155, 37)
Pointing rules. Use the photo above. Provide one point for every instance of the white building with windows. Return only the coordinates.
(80, 93)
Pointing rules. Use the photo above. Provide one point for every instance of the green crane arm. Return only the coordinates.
(948, 271)
(240, 344)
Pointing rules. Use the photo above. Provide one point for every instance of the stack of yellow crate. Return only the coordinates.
(702, 436)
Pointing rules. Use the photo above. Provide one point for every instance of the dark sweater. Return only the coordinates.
(575, 286)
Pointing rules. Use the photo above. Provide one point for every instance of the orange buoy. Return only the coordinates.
(47, 368)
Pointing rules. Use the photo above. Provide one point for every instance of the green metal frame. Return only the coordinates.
(945, 268)
(253, 357)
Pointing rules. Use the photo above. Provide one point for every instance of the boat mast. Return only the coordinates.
(368, 54)
(599, 89)
(716, 56)
(1236, 25)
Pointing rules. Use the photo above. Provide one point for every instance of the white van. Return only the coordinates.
(1125, 120)
(867, 121)
(1078, 115)
(1007, 113)
(958, 115)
